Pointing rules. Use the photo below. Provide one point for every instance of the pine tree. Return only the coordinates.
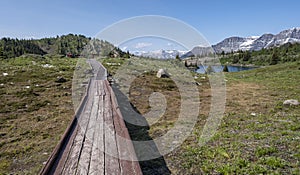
(274, 59)
(223, 53)
(225, 69)
(127, 54)
(246, 56)
(1, 53)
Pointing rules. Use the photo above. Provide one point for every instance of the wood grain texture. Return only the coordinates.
(111, 151)
(97, 157)
(97, 141)
(71, 164)
(128, 163)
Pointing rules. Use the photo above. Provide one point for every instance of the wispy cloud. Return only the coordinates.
(142, 45)
(29, 37)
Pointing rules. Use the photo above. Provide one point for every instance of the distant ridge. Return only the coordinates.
(254, 43)
(160, 54)
(70, 45)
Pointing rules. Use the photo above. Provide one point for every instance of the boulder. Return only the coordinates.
(291, 102)
(162, 74)
(60, 80)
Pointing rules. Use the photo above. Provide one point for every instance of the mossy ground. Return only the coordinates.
(34, 111)
(258, 135)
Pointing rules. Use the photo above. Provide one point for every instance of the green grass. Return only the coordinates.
(267, 143)
(112, 64)
(32, 119)
(264, 143)
(34, 110)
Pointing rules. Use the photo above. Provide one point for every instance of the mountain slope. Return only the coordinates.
(257, 43)
(254, 43)
(161, 54)
(71, 45)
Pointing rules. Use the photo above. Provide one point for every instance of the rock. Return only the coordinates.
(198, 84)
(60, 80)
(291, 102)
(47, 66)
(162, 74)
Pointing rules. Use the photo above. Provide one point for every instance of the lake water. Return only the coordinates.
(202, 69)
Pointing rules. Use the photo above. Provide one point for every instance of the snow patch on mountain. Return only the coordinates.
(257, 43)
(248, 43)
(161, 54)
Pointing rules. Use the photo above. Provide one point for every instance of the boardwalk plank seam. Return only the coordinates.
(97, 139)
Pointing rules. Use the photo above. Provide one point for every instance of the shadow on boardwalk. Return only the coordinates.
(140, 133)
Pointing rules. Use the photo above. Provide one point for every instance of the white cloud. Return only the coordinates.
(29, 37)
(142, 45)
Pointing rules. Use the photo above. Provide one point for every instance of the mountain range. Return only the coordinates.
(75, 45)
(253, 43)
(161, 54)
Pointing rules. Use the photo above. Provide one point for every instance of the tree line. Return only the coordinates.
(271, 56)
(68, 45)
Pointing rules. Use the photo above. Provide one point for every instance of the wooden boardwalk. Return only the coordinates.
(94, 141)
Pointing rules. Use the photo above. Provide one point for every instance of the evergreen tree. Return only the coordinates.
(223, 53)
(1, 53)
(274, 58)
(246, 56)
(225, 69)
(235, 59)
(127, 55)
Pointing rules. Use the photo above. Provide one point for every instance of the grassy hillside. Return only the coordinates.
(71, 45)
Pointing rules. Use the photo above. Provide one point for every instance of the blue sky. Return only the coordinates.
(216, 20)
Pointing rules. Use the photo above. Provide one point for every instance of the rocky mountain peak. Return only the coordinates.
(233, 44)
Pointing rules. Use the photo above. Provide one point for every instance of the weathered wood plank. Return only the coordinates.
(125, 153)
(97, 158)
(128, 163)
(74, 155)
(111, 151)
(100, 143)
(98, 137)
(84, 161)
(64, 157)
(101, 88)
